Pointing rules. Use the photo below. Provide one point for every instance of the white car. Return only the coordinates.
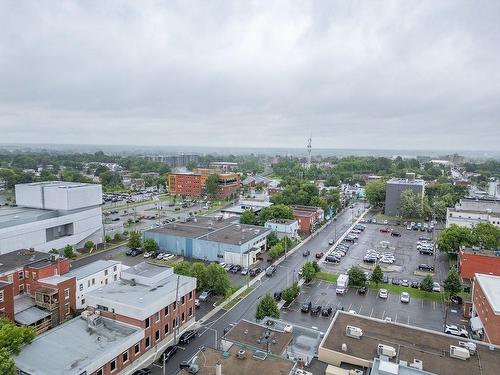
(204, 295)
(147, 254)
(168, 256)
(436, 287)
(452, 329)
(222, 264)
(405, 297)
(386, 260)
(159, 256)
(353, 312)
(382, 293)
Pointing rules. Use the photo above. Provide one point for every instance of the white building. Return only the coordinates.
(472, 211)
(52, 215)
(283, 227)
(93, 276)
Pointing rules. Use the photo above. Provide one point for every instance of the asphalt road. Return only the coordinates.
(212, 329)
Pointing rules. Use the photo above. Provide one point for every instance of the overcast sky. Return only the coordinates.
(370, 74)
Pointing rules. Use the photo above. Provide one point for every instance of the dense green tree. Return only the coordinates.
(217, 279)
(110, 180)
(377, 275)
(375, 192)
(7, 365)
(427, 284)
(135, 240)
(410, 204)
(267, 307)
(309, 271)
(9, 176)
(117, 237)
(199, 271)
(289, 294)
(453, 237)
(150, 245)
(278, 211)
(357, 277)
(453, 283)
(89, 245)
(272, 239)
(486, 235)
(182, 268)
(248, 217)
(68, 251)
(13, 337)
(212, 185)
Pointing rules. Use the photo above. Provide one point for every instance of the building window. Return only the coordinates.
(88, 284)
(166, 310)
(146, 323)
(147, 342)
(10, 279)
(106, 281)
(101, 307)
(191, 295)
(183, 317)
(21, 288)
(66, 293)
(175, 323)
(100, 372)
(183, 300)
(166, 328)
(20, 274)
(114, 268)
(93, 281)
(125, 357)
(81, 287)
(105, 272)
(83, 301)
(1, 296)
(115, 277)
(112, 365)
(137, 348)
(190, 311)
(27, 274)
(157, 335)
(157, 316)
(175, 305)
(66, 309)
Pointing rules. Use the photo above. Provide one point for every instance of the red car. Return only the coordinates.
(319, 254)
(385, 230)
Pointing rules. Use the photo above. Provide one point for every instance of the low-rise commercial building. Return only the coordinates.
(210, 239)
(255, 181)
(471, 211)
(475, 260)
(127, 323)
(395, 187)
(243, 205)
(358, 340)
(308, 217)
(283, 227)
(93, 276)
(486, 306)
(51, 215)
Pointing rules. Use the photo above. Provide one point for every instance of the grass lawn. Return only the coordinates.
(243, 295)
(325, 276)
(232, 289)
(415, 293)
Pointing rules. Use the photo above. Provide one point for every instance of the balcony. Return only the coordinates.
(47, 298)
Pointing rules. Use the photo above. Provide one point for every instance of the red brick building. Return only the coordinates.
(193, 183)
(472, 261)
(6, 300)
(486, 305)
(308, 217)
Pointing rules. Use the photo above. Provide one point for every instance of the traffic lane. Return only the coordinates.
(421, 313)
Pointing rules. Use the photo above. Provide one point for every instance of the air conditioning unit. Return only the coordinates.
(459, 353)
(417, 363)
(353, 332)
(241, 354)
(386, 350)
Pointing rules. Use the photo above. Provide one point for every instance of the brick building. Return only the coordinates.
(193, 183)
(6, 300)
(472, 261)
(308, 218)
(486, 305)
(127, 323)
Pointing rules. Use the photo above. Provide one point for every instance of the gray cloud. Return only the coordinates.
(371, 74)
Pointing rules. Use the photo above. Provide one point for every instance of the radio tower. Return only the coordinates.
(309, 149)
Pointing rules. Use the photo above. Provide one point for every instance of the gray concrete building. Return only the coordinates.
(395, 187)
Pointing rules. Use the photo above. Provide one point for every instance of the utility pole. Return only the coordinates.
(176, 314)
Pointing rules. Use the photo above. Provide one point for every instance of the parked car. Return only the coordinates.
(362, 290)
(395, 234)
(385, 230)
(227, 267)
(306, 253)
(133, 252)
(187, 336)
(425, 267)
(235, 269)
(457, 300)
(204, 295)
(454, 330)
(382, 293)
(306, 307)
(319, 254)
(270, 270)
(369, 259)
(277, 296)
(415, 284)
(385, 280)
(326, 311)
(330, 242)
(395, 281)
(405, 282)
(426, 252)
(332, 259)
(315, 310)
(436, 287)
(244, 271)
(405, 297)
(196, 303)
(254, 271)
(168, 353)
(142, 371)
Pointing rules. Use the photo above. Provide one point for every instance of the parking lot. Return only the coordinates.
(404, 248)
(420, 313)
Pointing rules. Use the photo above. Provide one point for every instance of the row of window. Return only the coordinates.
(92, 282)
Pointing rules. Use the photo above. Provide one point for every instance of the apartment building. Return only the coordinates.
(308, 218)
(193, 183)
(486, 306)
(127, 323)
(395, 187)
(93, 276)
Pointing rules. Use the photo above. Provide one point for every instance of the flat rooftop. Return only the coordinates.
(91, 268)
(411, 343)
(72, 348)
(491, 287)
(21, 258)
(209, 229)
(282, 221)
(12, 216)
(404, 181)
(232, 365)
(62, 184)
(259, 337)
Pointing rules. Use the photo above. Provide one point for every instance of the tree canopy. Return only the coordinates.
(267, 307)
(375, 192)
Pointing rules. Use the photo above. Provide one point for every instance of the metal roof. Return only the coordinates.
(30, 316)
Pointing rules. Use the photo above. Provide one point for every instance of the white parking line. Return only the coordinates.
(361, 308)
(396, 318)
(371, 313)
(383, 314)
(349, 307)
(408, 319)
(422, 303)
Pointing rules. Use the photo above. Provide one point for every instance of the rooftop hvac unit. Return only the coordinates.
(386, 350)
(417, 363)
(241, 354)
(353, 332)
(85, 314)
(459, 353)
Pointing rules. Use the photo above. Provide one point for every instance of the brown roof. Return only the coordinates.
(231, 365)
(411, 343)
(254, 335)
